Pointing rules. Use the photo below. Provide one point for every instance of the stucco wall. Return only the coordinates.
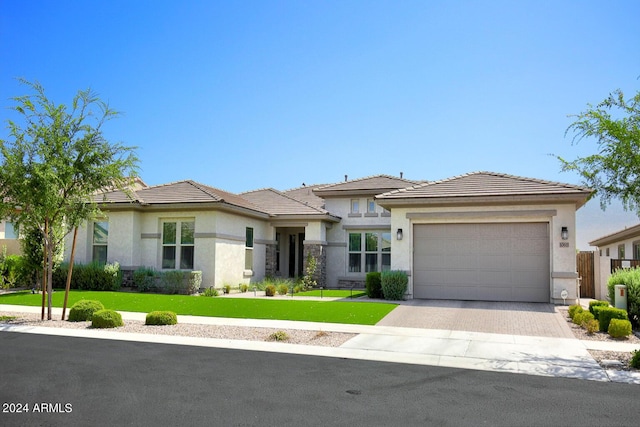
(562, 262)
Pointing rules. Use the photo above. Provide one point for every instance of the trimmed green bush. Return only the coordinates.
(597, 303)
(84, 309)
(283, 289)
(635, 359)
(619, 328)
(144, 279)
(90, 277)
(630, 277)
(605, 314)
(270, 290)
(373, 284)
(592, 326)
(573, 309)
(583, 318)
(161, 318)
(106, 319)
(394, 284)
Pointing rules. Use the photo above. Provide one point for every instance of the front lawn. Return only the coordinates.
(331, 293)
(360, 313)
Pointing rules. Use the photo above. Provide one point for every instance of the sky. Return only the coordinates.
(242, 95)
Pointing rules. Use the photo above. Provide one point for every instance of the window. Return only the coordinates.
(248, 250)
(371, 250)
(636, 250)
(355, 206)
(100, 239)
(621, 251)
(371, 206)
(10, 231)
(606, 252)
(178, 244)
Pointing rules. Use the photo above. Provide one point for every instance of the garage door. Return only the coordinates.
(482, 262)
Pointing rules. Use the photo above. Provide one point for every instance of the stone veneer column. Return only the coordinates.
(318, 252)
(270, 260)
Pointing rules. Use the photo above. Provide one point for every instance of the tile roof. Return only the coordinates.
(484, 184)
(279, 203)
(182, 192)
(624, 234)
(368, 185)
(305, 194)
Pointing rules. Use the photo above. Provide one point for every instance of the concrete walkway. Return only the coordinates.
(501, 352)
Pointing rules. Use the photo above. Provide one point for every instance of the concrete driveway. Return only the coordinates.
(513, 318)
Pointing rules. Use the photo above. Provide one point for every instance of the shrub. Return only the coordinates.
(635, 359)
(106, 319)
(573, 309)
(597, 303)
(243, 287)
(279, 336)
(583, 318)
(630, 277)
(394, 284)
(605, 314)
(91, 277)
(144, 279)
(210, 292)
(194, 282)
(619, 328)
(373, 285)
(15, 271)
(283, 289)
(592, 326)
(84, 310)
(171, 281)
(161, 318)
(270, 290)
(226, 289)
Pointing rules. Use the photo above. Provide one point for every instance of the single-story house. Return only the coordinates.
(616, 250)
(479, 236)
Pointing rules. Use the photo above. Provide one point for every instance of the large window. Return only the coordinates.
(100, 240)
(248, 249)
(178, 244)
(369, 251)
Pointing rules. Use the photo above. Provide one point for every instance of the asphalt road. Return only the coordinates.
(81, 381)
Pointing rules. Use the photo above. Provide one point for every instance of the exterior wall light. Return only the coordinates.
(564, 233)
(399, 234)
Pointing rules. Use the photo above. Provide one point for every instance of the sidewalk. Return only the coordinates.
(559, 357)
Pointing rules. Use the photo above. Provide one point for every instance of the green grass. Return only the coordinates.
(360, 313)
(331, 293)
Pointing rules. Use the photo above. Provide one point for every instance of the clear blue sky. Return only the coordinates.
(249, 94)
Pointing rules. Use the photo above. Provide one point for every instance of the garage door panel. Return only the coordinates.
(493, 262)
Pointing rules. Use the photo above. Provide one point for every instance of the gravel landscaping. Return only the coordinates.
(319, 338)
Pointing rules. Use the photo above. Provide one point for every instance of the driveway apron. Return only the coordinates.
(513, 318)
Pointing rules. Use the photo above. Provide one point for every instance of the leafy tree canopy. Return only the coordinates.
(613, 172)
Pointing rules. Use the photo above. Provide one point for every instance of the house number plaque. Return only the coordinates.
(564, 244)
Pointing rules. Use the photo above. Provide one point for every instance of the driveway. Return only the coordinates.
(513, 318)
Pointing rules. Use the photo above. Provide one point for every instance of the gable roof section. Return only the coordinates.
(486, 187)
(282, 205)
(180, 193)
(618, 236)
(306, 195)
(371, 185)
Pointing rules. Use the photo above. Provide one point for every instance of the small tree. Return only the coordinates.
(55, 164)
(614, 171)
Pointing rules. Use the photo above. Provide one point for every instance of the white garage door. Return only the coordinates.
(482, 262)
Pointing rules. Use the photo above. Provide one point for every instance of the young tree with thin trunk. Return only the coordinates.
(614, 170)
(54, 165)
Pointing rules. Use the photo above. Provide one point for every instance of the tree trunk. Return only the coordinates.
(44, 267)
(49, 277)
(68, 286)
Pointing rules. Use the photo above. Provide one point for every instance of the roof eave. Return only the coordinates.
(578, 199)
(625, 234)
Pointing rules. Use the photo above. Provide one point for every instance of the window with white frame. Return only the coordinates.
(10, 230)
(371, 206)
(621, 251)
(369, 251)
(100, 241)
(355, 206)
(178, 244)
(248, 249)
(636, 250)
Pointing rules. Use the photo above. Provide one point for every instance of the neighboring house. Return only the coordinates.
(616, 250)
(480, 236)
(9, 238)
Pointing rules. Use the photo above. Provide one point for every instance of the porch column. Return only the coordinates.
(270, 259)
